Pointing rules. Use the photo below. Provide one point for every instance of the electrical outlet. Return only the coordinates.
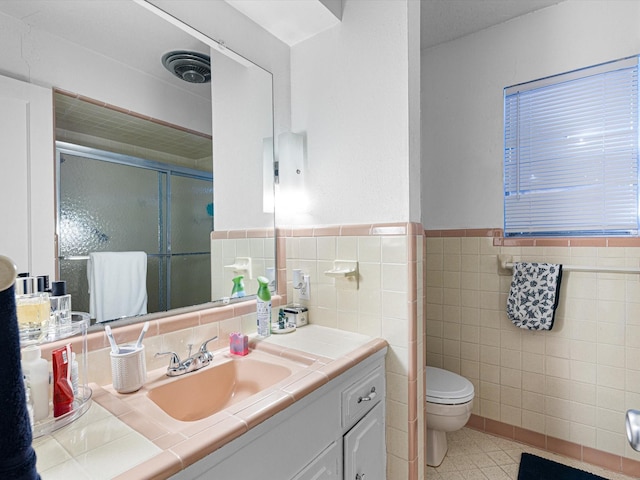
(305, 289)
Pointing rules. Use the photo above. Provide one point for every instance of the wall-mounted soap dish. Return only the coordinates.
(242, 266)
(344, 269)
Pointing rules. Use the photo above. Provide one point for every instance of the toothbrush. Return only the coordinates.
(114, 346)
(144, 330)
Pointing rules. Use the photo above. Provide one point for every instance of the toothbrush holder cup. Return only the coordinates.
(128, 369)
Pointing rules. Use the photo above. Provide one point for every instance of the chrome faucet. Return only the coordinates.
(200, 359)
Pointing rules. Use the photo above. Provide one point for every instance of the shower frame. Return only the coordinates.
(164, 227)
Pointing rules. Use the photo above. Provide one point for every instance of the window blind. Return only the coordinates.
(571, 153)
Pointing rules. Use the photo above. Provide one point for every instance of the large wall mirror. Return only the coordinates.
(147, 161)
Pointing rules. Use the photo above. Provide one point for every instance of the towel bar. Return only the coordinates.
(506, 262)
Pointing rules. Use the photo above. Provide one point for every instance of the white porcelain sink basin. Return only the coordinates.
(199, 394)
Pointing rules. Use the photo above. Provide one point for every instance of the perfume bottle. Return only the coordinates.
(33, 309)
(60, 300)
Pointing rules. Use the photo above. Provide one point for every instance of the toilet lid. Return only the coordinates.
(447, 387)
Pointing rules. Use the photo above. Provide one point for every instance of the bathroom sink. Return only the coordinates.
(197, 395)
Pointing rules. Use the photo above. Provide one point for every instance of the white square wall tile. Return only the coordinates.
(395, 277)
(611, 442)
(308, 248)
(242, 247)
(395, 305)
(470, 245)
(611, 399)
(347, 248)
(228, 248)
(434, 245)
(326, 248)
(611, 355)
(583, 434)
(257, 248)
(611, 377)
(394, 249)
(347, 300)
(452, 245)
(370, 276)
(369, 303)
(370, 324)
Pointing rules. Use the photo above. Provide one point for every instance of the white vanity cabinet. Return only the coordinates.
(336, 432)
(326, 466)
(364, 448)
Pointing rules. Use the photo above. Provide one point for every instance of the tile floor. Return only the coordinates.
(475, 455)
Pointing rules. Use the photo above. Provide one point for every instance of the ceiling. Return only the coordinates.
(445, 20)
(441, 20)
(81, 20)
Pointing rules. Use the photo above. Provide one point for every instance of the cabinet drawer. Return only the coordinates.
(362, 396)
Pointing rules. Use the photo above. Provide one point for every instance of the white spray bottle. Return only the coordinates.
(263, 307)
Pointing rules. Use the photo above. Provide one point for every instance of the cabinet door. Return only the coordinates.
(26, 190)
(364, 448)
(325, 466)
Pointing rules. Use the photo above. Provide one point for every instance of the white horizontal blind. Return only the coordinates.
(571, 153)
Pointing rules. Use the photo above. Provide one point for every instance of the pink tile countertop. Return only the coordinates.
(149, 444)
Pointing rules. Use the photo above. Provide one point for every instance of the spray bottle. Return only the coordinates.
(263, 307)
(238, 287)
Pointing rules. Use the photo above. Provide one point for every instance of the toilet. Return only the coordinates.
(449, 401)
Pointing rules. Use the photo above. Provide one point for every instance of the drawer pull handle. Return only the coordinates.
(359, 476)
(368, 398)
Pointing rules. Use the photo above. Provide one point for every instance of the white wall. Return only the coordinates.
(242, 120)
(220, 21)
(350, 96)
(462, 98)
(41, 58)
(37, 57)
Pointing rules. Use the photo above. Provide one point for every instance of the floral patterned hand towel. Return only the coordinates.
(533, 298)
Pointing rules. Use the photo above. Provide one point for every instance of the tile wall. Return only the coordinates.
(175, 333)
(386, 302)
(572, 384)
(226, 247)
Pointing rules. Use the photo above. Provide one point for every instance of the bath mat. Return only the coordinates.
(533, 467)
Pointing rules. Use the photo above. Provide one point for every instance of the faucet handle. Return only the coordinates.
(203, 347)
(175, 359)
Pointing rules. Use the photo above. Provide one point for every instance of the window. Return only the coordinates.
(571, 153)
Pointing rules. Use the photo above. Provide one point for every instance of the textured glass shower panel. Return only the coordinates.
(191, 214)
(191, 226)
(107, 207)
(156, 285)
(190, 280)
(74, 272)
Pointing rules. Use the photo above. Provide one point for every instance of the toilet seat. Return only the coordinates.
(446, 387)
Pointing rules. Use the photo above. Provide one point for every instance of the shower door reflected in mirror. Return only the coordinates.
(112, 202)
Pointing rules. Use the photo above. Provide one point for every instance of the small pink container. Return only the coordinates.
(238, 343)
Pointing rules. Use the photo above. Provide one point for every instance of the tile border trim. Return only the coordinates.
(600, 458)
(499, 240)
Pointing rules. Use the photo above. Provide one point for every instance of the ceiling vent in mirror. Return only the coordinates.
(192, 67)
